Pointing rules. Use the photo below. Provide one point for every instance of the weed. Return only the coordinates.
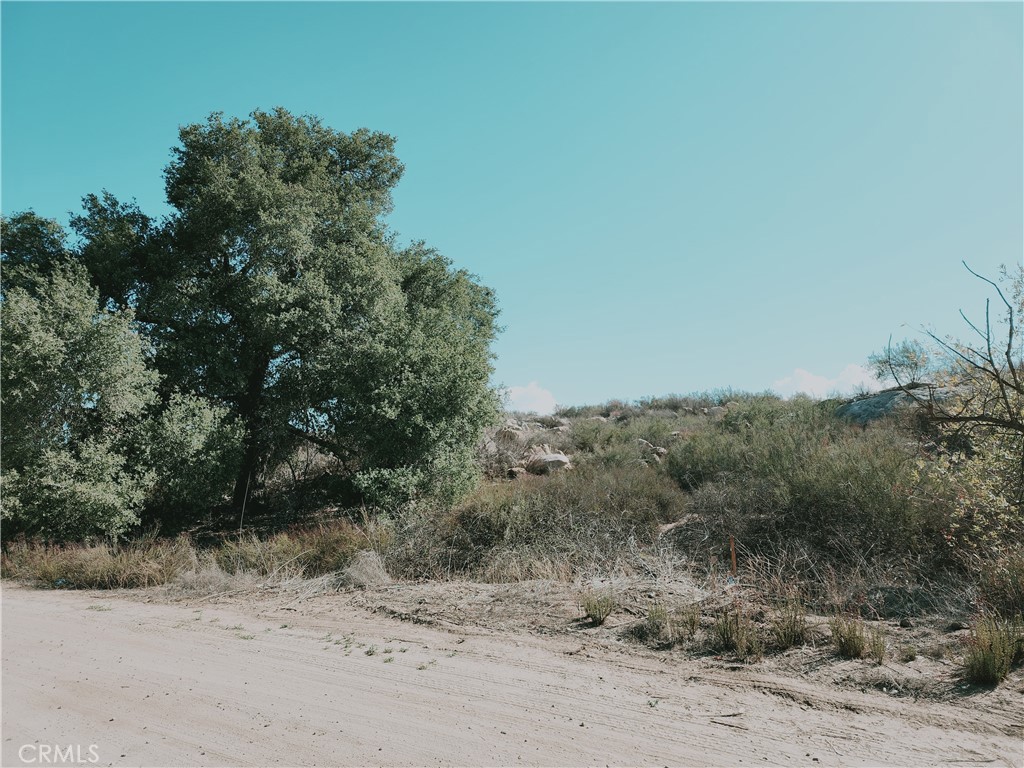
(597, 605)
(734, 631)
(994, 647)
(688, 621)
(848, 636)
(389, 659)
(789, 626)
(371, 651)
(877, 648)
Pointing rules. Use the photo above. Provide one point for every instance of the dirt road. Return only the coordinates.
(324, 683)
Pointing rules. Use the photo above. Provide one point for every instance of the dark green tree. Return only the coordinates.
(75, 391)
(275, 290)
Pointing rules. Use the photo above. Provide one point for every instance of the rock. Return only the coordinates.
(562, 428)
(906, 623)
(543, 461)
(597, 418)
(877, 405)
(717, 412)
(516, 472)
(660, 451)
(508, 433)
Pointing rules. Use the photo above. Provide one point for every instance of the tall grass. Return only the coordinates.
(562, 525)
(144, 563)
(303, 552)
(993, 649)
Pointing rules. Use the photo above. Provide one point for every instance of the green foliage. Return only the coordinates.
(979, 425)
(277, 310)
(194, 448)
(275, 291)
(773, 471)
(75, 391)
(994, 647)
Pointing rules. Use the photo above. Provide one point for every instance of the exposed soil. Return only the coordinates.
(457, 674)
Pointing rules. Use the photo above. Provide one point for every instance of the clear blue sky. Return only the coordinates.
(666, 197)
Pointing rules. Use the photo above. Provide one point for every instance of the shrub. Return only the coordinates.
(773, 472)
(195, 449)
(1001, 581)
(664, 626)
(994, 647)
(587, 518)
(309, 552)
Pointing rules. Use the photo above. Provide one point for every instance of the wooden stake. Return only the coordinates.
(732, 551)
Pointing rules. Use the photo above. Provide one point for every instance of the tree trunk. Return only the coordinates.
(250, 409)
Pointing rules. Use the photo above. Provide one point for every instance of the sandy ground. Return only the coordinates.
(332, 681)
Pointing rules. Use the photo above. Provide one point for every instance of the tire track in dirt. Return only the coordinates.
(227, 684)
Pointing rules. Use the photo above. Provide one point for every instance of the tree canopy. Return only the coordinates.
(275, 295)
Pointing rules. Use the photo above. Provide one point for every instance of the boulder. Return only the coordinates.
(508, 434)
(541, 460)
(656, 451)
(867, 408)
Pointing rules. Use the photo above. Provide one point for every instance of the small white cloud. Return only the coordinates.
(532, 398)
(852, 378)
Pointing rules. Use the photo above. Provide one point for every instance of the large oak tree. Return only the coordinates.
(275, 290)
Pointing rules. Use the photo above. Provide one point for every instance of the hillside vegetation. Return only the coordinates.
(264, 386)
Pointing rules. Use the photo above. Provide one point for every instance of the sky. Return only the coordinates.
(665, 197)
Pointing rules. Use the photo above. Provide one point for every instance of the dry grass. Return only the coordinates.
(300, 553)
(849, 636)
(144, 563)
(734, 631)
(789, 626)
